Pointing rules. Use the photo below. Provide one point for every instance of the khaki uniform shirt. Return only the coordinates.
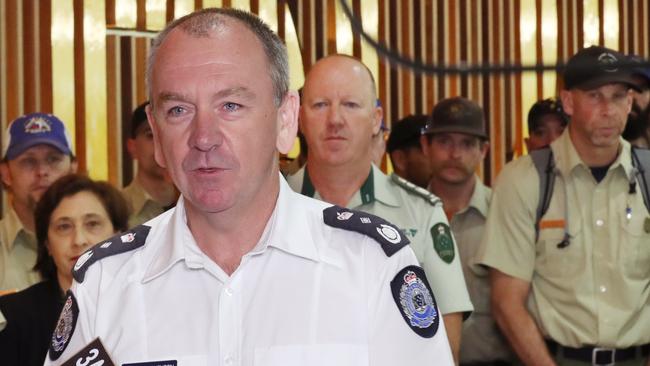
(143, 207)
(482, 340)
(596, 290)
(417, 217)
(17, 254)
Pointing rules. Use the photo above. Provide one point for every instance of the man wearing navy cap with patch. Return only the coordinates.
(243, 271)
(36, 152)
(573, 288)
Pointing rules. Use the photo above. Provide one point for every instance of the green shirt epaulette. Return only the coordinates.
(419, 191)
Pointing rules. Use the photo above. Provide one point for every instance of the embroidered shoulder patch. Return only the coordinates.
(415, 301)
(388, 235)
(120, 243)
(442, 242)
(93, 354)
(64, 327)
(419, 191)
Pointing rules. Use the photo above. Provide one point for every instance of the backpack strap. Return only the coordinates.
(641, 161)
(545, 166)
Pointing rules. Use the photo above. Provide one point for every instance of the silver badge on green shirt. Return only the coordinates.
(442, 242)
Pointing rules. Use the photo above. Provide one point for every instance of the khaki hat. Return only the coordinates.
(457, 115)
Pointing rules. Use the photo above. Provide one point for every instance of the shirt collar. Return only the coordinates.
(376, 187)
(480, 197)
(288, 229)
(13, 227)
(567, 158)
(138, 195)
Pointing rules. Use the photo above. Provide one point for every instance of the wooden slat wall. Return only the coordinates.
(440, 31)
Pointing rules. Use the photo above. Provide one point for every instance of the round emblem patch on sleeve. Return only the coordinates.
(64, 327)
(443, 242)
(415, 301)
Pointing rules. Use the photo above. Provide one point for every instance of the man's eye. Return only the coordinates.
(351, 104)
(231, 107)
(319, 105)
(176, 111)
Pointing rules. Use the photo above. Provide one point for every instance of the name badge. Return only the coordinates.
(94, 354)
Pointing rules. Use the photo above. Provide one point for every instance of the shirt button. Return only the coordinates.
(600, 222)
(603, 289)
(228, 291)
(229, 360)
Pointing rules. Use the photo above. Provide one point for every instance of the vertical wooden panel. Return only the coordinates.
(79, 85)
(141, 15)
(112, 115)
(405, 74)
(281, 18)
(255, 6)
(307, 35)
(580, 25)
(319, 37)
(428, 56)
(12, 77)
(126, 101)
(441, 15)
(474, 23)
(519, 121)
(394, 81)
(356, 38)
(417, 54)
(452, 45)
(383, 90)
(30, 64)
(169, 14)
(601, 22)
(539, 47)
(331, 27)
(45, 55)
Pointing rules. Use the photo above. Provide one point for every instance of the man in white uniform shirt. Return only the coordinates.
(243, 271)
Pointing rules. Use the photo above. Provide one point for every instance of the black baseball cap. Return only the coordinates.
(545, 107)
(457, 115)
(595, 66)
(406, 132)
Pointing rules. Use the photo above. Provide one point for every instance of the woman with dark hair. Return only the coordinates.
(73, 214)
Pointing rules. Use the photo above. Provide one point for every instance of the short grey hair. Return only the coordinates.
(201, 23)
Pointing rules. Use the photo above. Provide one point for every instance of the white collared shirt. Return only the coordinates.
(308, 294)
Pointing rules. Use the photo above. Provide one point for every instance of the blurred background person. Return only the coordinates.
(73, 214)
(403, 146)
(456, 142)
(151, 192)
(546, 122)
(637, 129)
(37, 151)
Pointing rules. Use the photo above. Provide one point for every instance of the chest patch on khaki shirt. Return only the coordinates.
(386, 234)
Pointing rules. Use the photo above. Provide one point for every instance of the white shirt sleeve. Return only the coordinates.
(392, 340)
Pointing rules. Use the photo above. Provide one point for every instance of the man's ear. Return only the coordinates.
(424, 145)
(485, 146)
(567, 101)
(74, 165)
(287, 122)
(157, 144)
(130, 147)
(5, 174)
(379, 116)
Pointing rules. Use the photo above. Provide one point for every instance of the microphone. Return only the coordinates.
(566, 241)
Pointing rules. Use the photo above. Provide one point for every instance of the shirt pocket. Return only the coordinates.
(557, 258)
(313, 355)
(634, 248)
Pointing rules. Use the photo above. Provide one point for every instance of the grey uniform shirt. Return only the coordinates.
(420, 218)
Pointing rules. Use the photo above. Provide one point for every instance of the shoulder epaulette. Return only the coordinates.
(121, 243)
(391, 238)
(428, 196)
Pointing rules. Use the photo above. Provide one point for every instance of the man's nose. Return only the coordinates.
(206, 131)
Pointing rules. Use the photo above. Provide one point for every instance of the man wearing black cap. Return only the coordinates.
(455, 141)
(577, 292)
(637, 130)
(151, 190)
(36, 153)
(405, 151)
(546, 122)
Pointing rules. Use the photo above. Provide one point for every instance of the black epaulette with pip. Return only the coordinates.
(121, 243)
(391, 238)
(418, 191)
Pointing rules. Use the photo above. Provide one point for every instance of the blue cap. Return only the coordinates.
(35, 129)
